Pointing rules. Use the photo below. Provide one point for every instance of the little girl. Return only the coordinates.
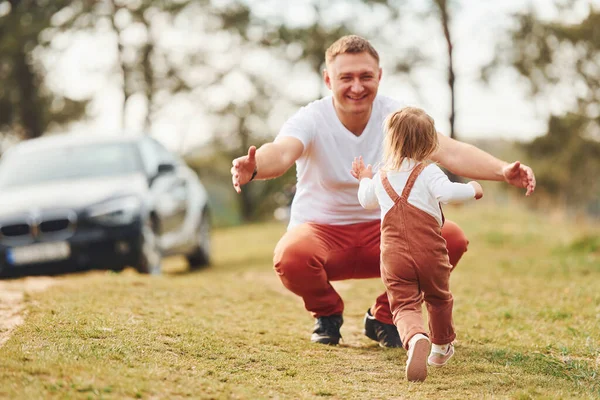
(414, 259)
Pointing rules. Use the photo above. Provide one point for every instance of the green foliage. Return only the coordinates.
(145, 68)
(567, 164)
(264, 196)
(586, 244)
(559, 58)
(27, 107)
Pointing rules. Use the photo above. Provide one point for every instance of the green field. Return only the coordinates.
(527, 315)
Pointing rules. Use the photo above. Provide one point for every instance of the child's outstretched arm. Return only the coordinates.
(360, 170)
(366, 189)
(451, 192)
(478, 189)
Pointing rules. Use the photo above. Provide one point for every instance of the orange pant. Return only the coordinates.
(309, 256)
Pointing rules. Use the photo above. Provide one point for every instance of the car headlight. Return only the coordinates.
(121, 211)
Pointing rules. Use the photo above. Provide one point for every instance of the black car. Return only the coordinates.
(99, 202)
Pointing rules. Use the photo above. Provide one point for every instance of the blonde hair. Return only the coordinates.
(350, 44)
(409, 133)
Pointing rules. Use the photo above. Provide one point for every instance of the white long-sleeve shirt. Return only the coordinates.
(431, 187)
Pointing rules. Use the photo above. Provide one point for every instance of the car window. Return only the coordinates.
(69, 162)
(154, 154)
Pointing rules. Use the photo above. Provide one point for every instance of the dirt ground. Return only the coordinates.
(13, 291)
(12, 307)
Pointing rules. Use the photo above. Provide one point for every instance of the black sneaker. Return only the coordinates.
(385, 334)
(327, 330)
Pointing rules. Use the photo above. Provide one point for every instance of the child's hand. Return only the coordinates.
(359, 170)
(478, 189)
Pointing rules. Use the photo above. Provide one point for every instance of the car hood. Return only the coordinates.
(75, 194)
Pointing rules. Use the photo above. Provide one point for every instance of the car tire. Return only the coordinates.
(201, 255)
(117, 268)
(149, 258)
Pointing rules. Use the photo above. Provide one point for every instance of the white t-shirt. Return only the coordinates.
(431, 187)
(326, 191)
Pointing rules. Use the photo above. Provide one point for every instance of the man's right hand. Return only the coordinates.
(243, 168)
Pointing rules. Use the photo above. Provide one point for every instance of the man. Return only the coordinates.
(330, 236)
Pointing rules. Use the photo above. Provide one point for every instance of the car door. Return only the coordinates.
(168, 187)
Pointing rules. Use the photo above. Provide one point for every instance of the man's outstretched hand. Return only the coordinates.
(243, 168)
(520, 175)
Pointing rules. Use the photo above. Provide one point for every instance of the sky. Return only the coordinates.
(501, 109)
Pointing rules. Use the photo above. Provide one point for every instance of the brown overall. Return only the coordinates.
(415, 267)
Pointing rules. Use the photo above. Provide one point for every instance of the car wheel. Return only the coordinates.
(150, 256)
(201, 256)
(117, 268)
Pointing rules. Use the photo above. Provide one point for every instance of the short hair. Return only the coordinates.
(350, 44)
(409, 133)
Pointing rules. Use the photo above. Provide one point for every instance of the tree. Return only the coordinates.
(560, 60)
(567, 163)
(144, 64)
(444, 15)
(28, 107)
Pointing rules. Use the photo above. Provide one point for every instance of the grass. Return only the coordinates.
(527, 313)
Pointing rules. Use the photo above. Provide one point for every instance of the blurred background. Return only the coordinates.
(208, 78)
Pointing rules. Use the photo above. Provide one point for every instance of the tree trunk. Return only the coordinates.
(121, 63)
(149, 81)
(31, 115)
(445, 19)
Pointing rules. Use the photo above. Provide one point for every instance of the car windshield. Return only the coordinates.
(68, 163)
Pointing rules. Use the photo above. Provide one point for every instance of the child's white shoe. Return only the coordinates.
(440, 355)
(416, 365)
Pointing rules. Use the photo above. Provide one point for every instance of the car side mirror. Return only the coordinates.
(165, 168)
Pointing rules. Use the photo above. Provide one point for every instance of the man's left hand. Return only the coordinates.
(520, 175)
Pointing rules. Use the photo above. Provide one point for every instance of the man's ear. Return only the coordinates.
(380, 73)
(326, 78)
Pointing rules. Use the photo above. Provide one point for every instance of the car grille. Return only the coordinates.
(15, 230)
(56, 225)
(40, 226)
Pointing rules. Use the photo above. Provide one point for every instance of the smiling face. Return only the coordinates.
(354, 79)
